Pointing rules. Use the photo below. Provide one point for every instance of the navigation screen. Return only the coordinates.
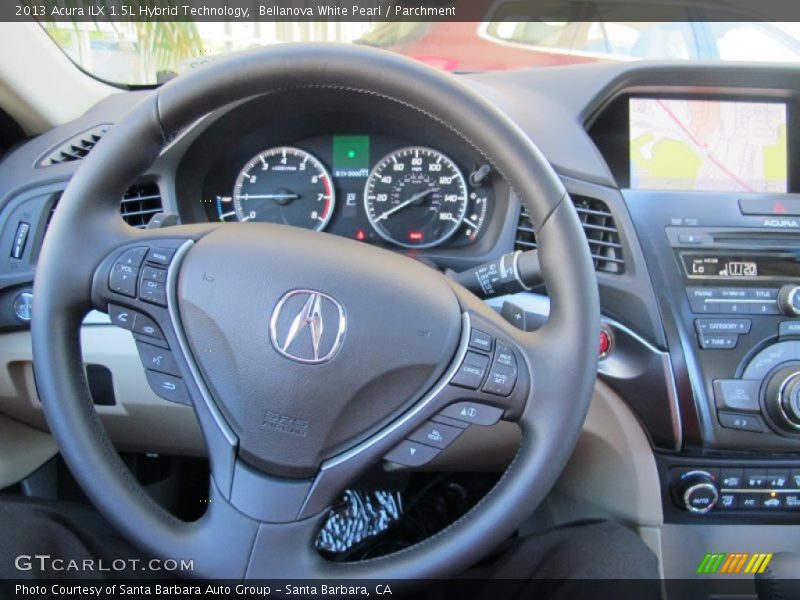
(708, 145)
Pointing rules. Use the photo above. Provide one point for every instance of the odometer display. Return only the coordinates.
(281, 185)
(415, 197)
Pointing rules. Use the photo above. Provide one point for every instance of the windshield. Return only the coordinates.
(149, 53)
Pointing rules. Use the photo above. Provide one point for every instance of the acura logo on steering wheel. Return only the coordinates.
(308, 326)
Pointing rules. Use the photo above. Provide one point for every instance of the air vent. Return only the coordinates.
(138, 205)
(75, 148)
(601, 233)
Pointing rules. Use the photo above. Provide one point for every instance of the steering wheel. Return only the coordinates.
(309, 358)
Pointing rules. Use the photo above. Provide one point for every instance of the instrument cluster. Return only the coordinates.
(372, 188)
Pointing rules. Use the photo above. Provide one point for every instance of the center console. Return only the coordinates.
(711, 185)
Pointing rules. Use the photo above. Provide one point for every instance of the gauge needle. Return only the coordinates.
(402, 205)
(270, 196)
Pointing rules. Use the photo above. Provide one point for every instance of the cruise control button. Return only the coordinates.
(728, 326)
(738, 394)
(157, 359)
(440, 418)
(160, 256)
(121, 317)
(472, 412)
(122, 279)
(501, 380)
(154, 292)
(436, 434)
(718, 342)
(742, 422)
(471, 372)
(144, 325)
(168, 387)
(503, 355)
(133, 257)
(412, 454)
(480, 340)
(731, 479)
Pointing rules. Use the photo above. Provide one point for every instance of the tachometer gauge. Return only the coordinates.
(415, 197)
(281, 185)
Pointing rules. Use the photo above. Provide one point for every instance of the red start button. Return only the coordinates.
(605, 343)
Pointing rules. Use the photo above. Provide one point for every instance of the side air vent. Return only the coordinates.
(75, 148)
(138, 205)
(601, 233)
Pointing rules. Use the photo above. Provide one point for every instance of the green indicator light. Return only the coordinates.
(351, 154)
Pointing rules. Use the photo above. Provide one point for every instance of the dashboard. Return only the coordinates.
(685, 179)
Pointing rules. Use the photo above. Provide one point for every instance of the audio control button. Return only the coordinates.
(718, 342)
(770, 357)
(789, 328)
(729, 326)
(738, 394)
(742, 422)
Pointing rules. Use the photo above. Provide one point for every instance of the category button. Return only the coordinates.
(729, 326)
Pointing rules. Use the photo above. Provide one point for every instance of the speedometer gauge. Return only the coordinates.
(415, 197)
(281, 185)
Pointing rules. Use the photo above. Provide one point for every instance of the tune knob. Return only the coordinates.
(789, 300)
(698, 492)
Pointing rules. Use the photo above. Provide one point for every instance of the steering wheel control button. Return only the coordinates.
(474, 413)
(501, 380)
(157, 359)
(479, 340)
(144, 325)
(472, 371)
(23, 306)
(436, 434)
(726, 326)
(168, 387)
(718, 342)
(738, 394)
(742, 422)
(440, 418)
(133, 257)
(122, 279)
(160, 256)
(412, 454)
(151, 274)
(154, 292)
(121, 317)
(770, 357)
(504, 356)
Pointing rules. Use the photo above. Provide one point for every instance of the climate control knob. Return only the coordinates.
(789, 300)
(698, 492)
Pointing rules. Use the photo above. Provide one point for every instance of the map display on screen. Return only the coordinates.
(708, 145)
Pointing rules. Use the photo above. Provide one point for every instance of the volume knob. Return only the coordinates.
(789, 300)
(698, 492)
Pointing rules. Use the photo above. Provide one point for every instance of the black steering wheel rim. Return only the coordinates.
(226, 543)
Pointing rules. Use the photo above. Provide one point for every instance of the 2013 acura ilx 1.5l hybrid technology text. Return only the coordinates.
(347, 307)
